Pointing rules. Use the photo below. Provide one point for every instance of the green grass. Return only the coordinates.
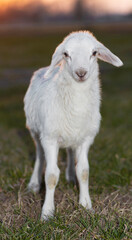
(109, 157)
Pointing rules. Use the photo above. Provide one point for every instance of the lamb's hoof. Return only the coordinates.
(33, 187)
(47, 215)
(89, 210)
(86, 204)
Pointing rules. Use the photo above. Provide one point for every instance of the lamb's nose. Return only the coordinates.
(81, 73)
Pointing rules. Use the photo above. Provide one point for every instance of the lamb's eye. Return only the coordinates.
(94, 53)
(66, 54)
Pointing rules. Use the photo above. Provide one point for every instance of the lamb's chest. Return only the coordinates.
(75, 125)
(71, 115)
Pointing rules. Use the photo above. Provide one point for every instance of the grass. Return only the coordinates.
(109, 157)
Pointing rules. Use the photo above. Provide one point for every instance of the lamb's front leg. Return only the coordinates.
(82, 172)
(51, 177)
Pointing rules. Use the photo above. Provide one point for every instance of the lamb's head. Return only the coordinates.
(79, 53)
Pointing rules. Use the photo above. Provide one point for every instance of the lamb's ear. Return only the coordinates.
(56, 59)
(106, 55)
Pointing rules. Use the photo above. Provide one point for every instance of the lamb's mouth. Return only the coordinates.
(81, 80)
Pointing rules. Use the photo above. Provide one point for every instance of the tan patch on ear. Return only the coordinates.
(52, 180)
(84, 175)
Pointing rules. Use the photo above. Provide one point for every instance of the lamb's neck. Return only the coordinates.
(74, 95)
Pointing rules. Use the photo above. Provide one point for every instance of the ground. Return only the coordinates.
(109, 157)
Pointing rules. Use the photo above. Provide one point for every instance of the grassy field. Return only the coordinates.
(110, 156)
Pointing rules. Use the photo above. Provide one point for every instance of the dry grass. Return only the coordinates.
(17, 208)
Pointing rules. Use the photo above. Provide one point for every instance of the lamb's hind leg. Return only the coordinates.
(70, 170)
(36, 178)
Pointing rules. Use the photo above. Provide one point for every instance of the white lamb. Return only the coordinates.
(62, 107)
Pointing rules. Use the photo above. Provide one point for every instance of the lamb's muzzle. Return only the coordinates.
(81, 73)
(61, 113)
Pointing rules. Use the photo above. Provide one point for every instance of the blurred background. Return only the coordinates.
(60, 11)
(30, 30)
